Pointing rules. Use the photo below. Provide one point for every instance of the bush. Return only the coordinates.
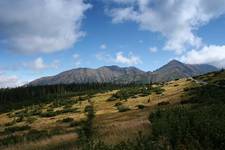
(20, 119)
(112, 99)
(195, 127)
(140, 106)
(48, 114)
(16, 128)
(118, 104)
(31, 119)
(67, 110)
(73, 124)
(158, 90)
(163, 103)
(88, 108)
(65, 120)
(123, 108)
(134, 96)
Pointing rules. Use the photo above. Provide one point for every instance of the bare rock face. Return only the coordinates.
(114, 74)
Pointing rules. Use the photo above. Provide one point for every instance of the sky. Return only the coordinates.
(45, 37)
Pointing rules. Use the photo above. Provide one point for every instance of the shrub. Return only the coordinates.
(188, 79)
(68, 106)
(140, 106)
(163, 103)
(112, 99)
(158, 90)
(74, 123)
(16, 128)
(88, 108)
(118, 104)
(19, 119)
(67, 110)
(48, 114)
(134, 96)
(82, 98)
(31, 119)
(123, 108)
(193, 127)
(65, 120)
(143, 94)
(50, 109)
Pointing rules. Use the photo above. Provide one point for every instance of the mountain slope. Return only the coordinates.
(86, 75)
(175, 69)
(106, 74)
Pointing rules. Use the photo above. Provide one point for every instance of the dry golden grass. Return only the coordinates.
(110, 125)
(116, 127)
(45, 143)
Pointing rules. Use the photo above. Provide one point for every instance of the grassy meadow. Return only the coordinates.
(180, 114)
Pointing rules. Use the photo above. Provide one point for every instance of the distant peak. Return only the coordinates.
(111, 67)
(133, 68)
(174, 61)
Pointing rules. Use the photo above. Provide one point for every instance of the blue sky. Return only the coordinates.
(46, 37)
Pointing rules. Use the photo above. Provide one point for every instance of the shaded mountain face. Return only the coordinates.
(175, 70)
(104, 74)
(114, 74)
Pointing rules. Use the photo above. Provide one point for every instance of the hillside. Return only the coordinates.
(114, 74)
(180, 114)
(176, 70)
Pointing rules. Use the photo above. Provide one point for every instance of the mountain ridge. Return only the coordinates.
(115, 74)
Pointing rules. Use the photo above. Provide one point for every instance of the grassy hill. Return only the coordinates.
(180, 114)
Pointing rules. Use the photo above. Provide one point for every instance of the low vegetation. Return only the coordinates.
(181, 114)
(123, 108)
(134, 92)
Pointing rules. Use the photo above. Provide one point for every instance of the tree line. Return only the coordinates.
(12, 98)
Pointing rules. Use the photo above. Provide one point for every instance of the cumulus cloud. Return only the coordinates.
(124, 1)
(127, 60)
(119, 57)
(174, 19)
(153, 49)
(104, 56)
(213, 54)
(41, 25)
(38, 64)
(9, 81)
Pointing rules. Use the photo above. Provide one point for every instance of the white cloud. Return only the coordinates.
(174, 19)
(213, 54)
(77, 60)
(9, 81)
(41, 25)
(38, 64)
(124, 1)
(127, 60)
(119, 57)
(153, 49)
(103, 46)
(104, 56)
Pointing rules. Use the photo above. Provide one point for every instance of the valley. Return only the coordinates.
(112, 116)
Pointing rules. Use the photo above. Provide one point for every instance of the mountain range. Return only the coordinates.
(114, 74)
